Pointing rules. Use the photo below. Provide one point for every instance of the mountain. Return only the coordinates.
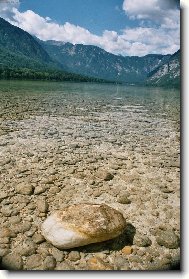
(18, 49)
(167, 74)
(22, 57)
(96, 62)
(26, 57)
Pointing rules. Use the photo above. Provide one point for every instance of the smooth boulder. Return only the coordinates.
(82, 224)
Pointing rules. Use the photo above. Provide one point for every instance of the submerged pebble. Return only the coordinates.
(59, 149)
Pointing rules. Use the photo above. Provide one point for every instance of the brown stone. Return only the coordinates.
(127, 250)
(105, 175)
(82, 224)
(5, 232)
(96, 263)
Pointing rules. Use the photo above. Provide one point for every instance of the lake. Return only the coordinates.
(55, 137)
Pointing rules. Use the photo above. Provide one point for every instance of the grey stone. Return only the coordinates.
(44, 249)
(31, 231)
(4, 251)
(21, 228)
(12, 262)
(21, 199)
(27, 248)
(97, 193)
(4, 240)
(33, 262)
(166, 190)
(7, 210)
(135, 258)
(126, 266)
(39, 190)
(57, 254)
(123, 199)
(158, 265)
(64, 266)
(141, 240)
(3, 195)
(5, 232)
(42, 205)
(14, 220)
(120, 262)
(5, 246)
(24, 189)
(31, 206)
(74, 256)
(105, 175)
(54, 190)
(38, 238)
(167, 239)
(49, 263)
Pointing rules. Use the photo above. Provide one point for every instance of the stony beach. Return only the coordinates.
(59, 149)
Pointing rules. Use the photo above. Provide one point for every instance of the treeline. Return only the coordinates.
(49, 75)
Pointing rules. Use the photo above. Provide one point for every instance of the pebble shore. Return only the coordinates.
(56, 152)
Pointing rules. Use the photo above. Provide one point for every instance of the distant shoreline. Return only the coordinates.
(49, 75)
(96, 81)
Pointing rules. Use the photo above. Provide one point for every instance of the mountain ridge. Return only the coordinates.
(22, 57)
(59, 60)
(168, 73)
(98, 63)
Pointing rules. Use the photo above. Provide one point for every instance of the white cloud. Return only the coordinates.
(48, 18)
(46, 29)
(152, 40)
(132, 41)
(6, 8)
(158, 11)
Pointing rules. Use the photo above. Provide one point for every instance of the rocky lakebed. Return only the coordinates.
(62, 148)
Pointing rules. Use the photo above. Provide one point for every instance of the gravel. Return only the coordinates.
(59, 149)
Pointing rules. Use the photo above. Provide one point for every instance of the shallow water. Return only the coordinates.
(132, 114)
(153, 105)
(57, 135)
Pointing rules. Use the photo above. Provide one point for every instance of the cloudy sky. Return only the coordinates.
(126, 27)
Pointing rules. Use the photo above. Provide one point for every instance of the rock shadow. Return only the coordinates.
(116, 244)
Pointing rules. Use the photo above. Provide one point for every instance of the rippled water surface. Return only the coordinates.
(153, 105)
(55, 137)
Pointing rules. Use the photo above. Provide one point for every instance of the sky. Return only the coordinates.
(122, 27)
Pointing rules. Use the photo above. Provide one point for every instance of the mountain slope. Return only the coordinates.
(17, 40)
(22, 48)
(167, 74)
(22, 57)
(96, 62)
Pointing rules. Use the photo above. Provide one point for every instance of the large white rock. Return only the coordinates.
(82, 224)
